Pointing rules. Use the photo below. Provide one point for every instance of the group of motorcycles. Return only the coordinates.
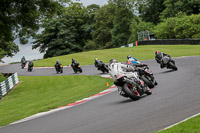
(135, 87)
(30, 65)
(141, 81)
(75, 66)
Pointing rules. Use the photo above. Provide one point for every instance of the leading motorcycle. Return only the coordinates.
(169, 63)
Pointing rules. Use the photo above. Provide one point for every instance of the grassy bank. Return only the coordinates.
(41, 93)
(189, 126)
(140, 52)
(2, 78)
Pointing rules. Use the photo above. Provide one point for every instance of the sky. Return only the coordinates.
(26, 50)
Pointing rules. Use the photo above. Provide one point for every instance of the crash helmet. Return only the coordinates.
(113, 61)
(57, 61)
(156, 52)
(129, 56)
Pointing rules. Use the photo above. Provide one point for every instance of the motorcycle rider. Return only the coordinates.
(30, 65)
(97, 63)
(159, 56)
(115, 69)
(23, 59)
(134, 62)
(23, 62)
(57, 64)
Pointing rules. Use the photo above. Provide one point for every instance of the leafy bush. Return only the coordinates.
(179, 27)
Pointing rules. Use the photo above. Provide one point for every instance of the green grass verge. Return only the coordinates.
(189, 126)
(42, 93)
(140, 52)
(2, 78)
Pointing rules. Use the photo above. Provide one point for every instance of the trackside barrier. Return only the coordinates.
(8, 84)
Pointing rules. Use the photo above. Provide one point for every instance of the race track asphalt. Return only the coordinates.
(176, 97)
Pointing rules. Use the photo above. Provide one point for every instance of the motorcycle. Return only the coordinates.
(76, 67)
(103, 67)
(145, 75)
(133, 87)
(23, 64)
(59, 68)
(30, 66)
(169, 63)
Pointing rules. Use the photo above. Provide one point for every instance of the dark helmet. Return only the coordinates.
(156, 52)
(113, 61)
(129, 56)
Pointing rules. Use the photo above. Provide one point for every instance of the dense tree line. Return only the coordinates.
(70, 27)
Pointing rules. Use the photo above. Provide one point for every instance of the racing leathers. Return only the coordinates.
(159, 56)
(116, 69)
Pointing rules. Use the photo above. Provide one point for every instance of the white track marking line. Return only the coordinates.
(179, 122)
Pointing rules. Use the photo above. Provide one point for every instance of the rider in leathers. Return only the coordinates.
(116, 69)
(97, 63)
(134, 62)
(159, 56)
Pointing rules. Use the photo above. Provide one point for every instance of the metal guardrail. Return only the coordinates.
(8, 84)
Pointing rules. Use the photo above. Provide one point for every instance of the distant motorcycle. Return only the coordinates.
(23, 64)
(102, 67)
(133, 87)
(30, 66)
(59, 68)
(76, 67)
(169, 63)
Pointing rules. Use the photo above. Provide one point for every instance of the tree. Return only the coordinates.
(150, 10)
(21, 19)
(173, 7)
(65, 34)
(122, 21)
(101, 34)
(138, 25)
(179, 27)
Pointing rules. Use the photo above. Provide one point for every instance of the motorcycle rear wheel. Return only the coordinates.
(131, 93)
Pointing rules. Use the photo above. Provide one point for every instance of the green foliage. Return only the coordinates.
(65, 34)
(22, 19)
(101, 34)
(173, 7)
(179, 27)
(37, 94)
(121, 30)
(150, 10)
(138, 25)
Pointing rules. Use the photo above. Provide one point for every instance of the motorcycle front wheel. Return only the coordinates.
(147, 81)
(132, 93)
(172, 66)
